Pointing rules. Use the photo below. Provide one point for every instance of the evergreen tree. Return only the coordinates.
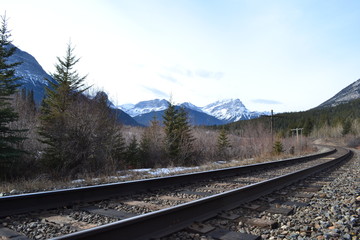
(223, 143)
(278, 148)
(9, 137)
(178, 138)
(117, 149)
(186, 139)
(308, 127)
(67, 84)
(132, 154)
(346, 127)
(172, 140)
(62, 92)
(145, 147)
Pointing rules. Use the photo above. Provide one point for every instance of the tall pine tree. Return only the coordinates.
(178, 137)
(186, 148)
(9, 138)
(62, 92)
(172, 139)
(223, 144)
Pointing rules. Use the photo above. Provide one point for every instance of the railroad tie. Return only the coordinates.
(303, 195)
(200, 228)
(262, 223)
(203, 194)
(6, 233)
(108, 212)
(280, 210)
(254, 207)
(223, 234)
(220, 234)
(173, 198)
(292, 203)
(228, 216)
(150, 206)
(311, 188)
(67, 220)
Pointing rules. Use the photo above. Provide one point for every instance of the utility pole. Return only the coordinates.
(297, 130)
(271, 127)
(272, 117)
(272, 124)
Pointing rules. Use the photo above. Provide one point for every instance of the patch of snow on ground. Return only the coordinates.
(145, 171)
(78, 181)
(163, 171)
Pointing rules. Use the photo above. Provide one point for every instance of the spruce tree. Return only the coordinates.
(178, 137)
(278, 147)
(346, 127)
(62, 91)
(186, 139)
(117, 149)
(9, 137)
(132, 154)
(106, 138)
(308, 127)
(223, 143)
(172, 140)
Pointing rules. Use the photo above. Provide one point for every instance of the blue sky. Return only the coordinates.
(281, 55)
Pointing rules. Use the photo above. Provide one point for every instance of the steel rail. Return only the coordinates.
(163, 222)
(17, 204)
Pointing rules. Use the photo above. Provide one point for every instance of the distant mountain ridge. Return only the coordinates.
(217, 113)
(195, 118)
(144, 107)
(346, 95)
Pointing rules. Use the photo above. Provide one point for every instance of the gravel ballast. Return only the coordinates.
(332, 213)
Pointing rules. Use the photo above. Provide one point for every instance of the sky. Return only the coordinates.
(281, 55)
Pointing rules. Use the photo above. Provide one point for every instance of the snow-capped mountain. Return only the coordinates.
(32, 74)
(346, 95)
(230, 110)
(144, 107)
(191, 106)
(224, 111)
(195, 118)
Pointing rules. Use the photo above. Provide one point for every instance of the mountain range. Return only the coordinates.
(220, 112)
(217, 113)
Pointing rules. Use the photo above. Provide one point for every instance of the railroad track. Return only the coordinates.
(157, 207)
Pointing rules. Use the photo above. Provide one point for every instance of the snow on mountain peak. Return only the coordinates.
(228, 109)
(144, 107)
(191, 106)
